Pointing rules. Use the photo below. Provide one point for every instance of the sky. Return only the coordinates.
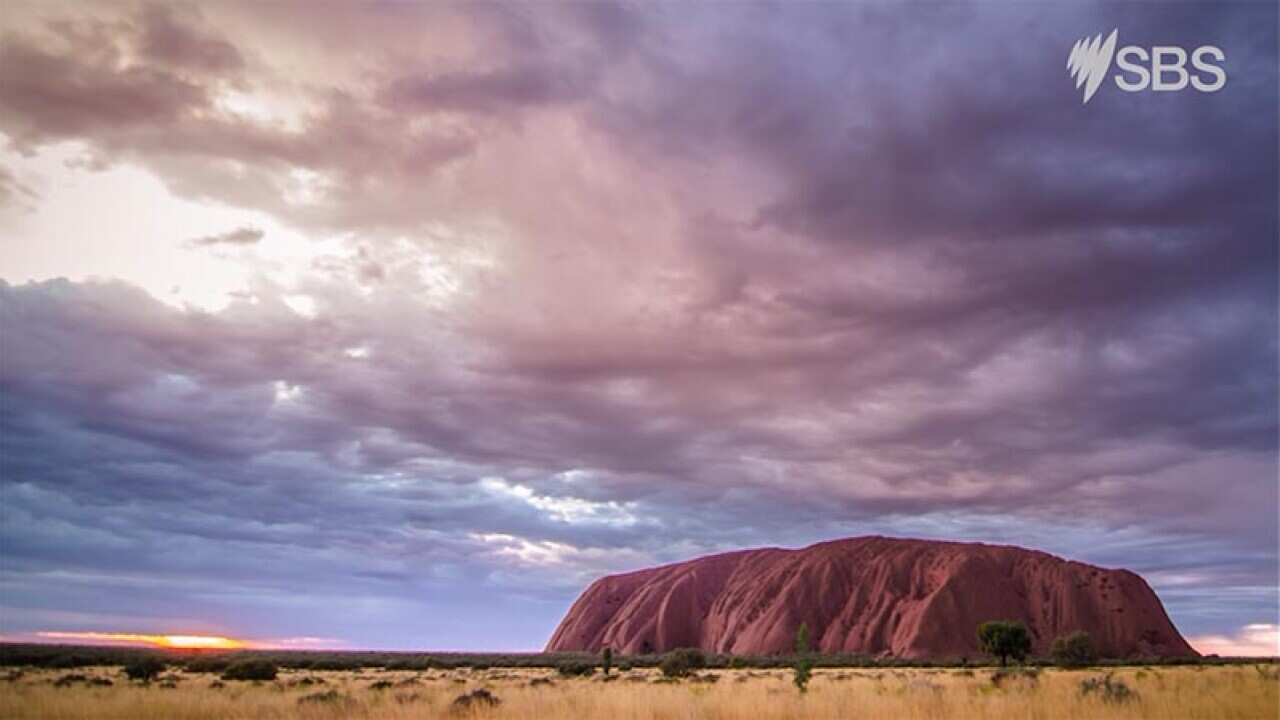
(393, 325)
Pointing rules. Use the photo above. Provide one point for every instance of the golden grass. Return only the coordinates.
(1211, 693)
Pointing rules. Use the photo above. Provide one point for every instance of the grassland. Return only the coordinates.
(1211, 692)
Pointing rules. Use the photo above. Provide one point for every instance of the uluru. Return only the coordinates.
(878, 596)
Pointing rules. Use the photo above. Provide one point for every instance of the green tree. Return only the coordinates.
(1073, 650)
(145, 669)
(682, 662)
(606, 660)
(251, 670)
(1004, 639)
(803, 669)
(575, 668)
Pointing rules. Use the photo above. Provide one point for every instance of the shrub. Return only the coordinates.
(1003, 675)
(144, 669)
(576, 669)
(69, 680)
(207, 665)
(328, 697)
(1004, 639)
(251, 670)
(1111, 691)
(334, 664)
(682, 662)
(1073, 650)
(410, 664)
(475, 699)
(62, 662)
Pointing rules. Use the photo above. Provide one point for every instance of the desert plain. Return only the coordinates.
(1193, 692)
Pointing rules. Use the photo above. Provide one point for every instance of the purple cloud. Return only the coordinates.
(622, 286)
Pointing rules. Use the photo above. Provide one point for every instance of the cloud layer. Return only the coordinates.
(603, 286)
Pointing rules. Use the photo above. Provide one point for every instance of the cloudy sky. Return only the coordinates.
(392, 326)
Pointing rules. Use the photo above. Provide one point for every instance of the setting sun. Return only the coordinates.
(186, 642)
(195, 641)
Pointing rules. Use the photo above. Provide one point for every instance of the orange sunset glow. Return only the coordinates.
(184, 642)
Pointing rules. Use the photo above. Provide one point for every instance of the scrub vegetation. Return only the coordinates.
(1220, 692)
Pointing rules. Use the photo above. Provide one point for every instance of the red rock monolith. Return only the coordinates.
(870, 595)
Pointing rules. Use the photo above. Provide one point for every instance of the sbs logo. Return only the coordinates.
(1162, 69)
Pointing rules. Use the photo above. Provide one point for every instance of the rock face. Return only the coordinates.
(869, 595)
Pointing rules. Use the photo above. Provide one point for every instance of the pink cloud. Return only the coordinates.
(1256, 640)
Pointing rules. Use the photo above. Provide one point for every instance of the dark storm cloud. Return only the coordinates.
(749, 275)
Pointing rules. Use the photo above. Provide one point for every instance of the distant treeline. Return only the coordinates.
(216, 661)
